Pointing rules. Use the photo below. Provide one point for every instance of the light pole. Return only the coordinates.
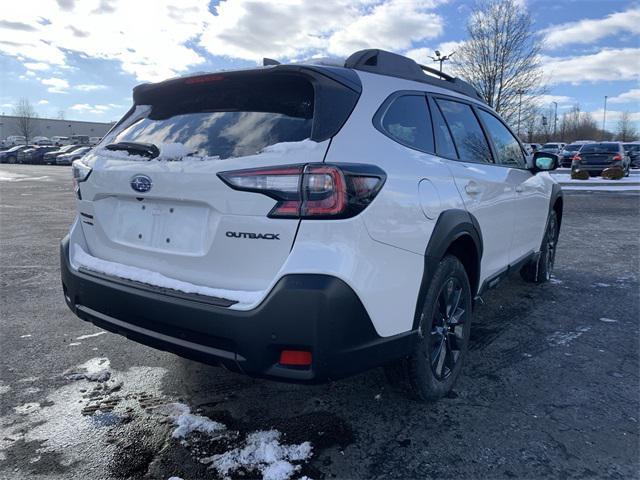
(519, 92)
(441, 58)
(555, 118)
(604, 118)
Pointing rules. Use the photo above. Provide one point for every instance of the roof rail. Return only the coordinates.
(394, 65)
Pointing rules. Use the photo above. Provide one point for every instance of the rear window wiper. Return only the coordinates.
(148, 150)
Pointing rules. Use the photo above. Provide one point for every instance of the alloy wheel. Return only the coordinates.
(447, 328)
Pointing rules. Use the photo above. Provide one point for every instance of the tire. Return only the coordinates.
(541, 270)
(434, 366)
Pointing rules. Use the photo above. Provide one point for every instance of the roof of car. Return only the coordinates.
(376, 61)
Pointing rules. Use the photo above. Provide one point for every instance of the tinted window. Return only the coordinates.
(550, 145)
(228, 119)
(572, 148)
(508, 151)
(444, 143)
(600, 148)
(466, 131)
(407, 121)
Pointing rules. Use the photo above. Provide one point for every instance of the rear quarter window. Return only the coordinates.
(407, 121)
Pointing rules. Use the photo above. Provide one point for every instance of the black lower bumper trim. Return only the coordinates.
(317, 313)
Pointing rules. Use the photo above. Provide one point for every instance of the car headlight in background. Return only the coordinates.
(80, 172)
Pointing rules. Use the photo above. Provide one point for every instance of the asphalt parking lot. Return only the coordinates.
(551, 389)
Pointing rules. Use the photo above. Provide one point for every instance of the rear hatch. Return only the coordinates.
(168, 212)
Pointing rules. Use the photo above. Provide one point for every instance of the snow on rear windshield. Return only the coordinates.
(232, 117)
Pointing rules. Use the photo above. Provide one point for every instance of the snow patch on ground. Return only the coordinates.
(263, 452)
(4, 389)
(601, 285)
(25, 336)
(565, 338)
(188, 422)
(83, 259)
(82, 337)
(94, 370)
(608, 320)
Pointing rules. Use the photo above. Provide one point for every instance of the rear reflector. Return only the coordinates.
(296, 358)
(314, 190)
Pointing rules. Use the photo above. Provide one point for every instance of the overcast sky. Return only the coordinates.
(84, 56)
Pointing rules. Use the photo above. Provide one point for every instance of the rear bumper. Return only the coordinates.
(318, 313)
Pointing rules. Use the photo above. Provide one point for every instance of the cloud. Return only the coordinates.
(152, 42)
(43, 102)
(590, 31)
(16, 26)
(632, 96)
(37, 66)
(613, 116)
(56, 85)
(608, 64)
(94, 109)
(561, 100)
(88, 87)
(423, 55)
(250, 30)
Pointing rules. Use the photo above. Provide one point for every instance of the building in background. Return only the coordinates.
(50, 127)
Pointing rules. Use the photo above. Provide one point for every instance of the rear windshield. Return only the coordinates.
(572, 148)
(550, 145)
(600, 148)
(632, 147)
(226, 118)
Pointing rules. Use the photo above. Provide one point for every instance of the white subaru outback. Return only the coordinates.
(305, 222)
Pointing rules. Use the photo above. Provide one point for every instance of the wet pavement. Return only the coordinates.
(551, 387)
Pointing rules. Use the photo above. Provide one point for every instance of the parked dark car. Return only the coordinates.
(24, 154)
(568, 152)
(633, 150)
(11, 155)
(595, 157)
(68, 158)
(35, 154)
(50, 157)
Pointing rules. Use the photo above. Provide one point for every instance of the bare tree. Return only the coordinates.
(626, 129)
(61, 114)
(26, 115)
(501, 58)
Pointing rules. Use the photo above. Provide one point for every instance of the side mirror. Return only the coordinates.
(544, 161)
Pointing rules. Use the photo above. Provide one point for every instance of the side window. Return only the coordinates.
(408, 122)
(444, 143)
(466, 131)
(508, 149)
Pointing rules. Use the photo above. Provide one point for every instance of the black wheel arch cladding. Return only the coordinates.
(455, 231)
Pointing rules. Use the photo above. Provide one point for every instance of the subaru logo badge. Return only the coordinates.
(141, 183)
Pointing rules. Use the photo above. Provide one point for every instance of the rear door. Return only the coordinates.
(488, 190)
(531, 192)
(172, 214)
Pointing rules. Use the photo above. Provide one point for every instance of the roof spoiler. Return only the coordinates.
(394, 65)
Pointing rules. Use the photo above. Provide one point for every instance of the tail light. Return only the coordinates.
(576, 158)
(617, 158)
(315, 190)
(80, 173)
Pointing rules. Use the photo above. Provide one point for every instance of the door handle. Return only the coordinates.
(519, 188)
(472, 188)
